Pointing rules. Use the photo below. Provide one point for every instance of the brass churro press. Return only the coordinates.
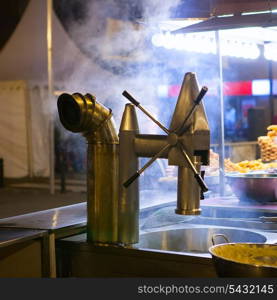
(113, 191)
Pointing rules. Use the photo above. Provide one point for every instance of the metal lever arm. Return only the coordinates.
(197, 176)
(137, 174)
(197, 101)
(137, 104)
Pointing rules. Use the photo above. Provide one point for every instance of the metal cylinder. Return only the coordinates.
(188, 192)
(79, 113)
(147, 145)
(128, 211)
(1, 172)
(102, 193)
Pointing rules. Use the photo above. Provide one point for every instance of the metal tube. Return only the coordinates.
(271, 95)
(79, 113)
(221, 123)
(50, 94)
(128, 210)
(102, 192)
(1, 172)
(147, 145)
(188, 192)
(29, 134)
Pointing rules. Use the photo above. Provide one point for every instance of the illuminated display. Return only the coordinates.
(259, 87)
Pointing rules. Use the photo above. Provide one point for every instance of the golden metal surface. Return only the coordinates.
(113, 196)
(82, 113)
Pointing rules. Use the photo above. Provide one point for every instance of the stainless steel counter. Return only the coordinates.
(24, 253)
(11, 236)
(60, 220)
(57, 223)
(70, 221)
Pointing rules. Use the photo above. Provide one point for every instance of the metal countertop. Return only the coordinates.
(65, 217)
(10, 236)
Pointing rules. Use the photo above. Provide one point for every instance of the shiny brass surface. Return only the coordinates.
(113, 195)
(188, 195)
(189, 92)
(102, 189)
(82, 113)
(195, 132)
(128, 208)
(146, 145)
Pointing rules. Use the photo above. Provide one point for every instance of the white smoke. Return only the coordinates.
(122, 55)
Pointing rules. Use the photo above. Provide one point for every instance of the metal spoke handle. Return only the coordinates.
(197, 176)
(137, 174)
(137, 104)
(179, 132)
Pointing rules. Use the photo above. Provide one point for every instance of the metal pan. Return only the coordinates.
(245, 259)
(256, 187)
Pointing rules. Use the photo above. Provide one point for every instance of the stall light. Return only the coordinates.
(256, 87)
(247, 50)
(205, 43)
(274, 87)
(237, 88)
(158, 40)
(259, 12)
(260, 87)
(162, 91)
(270, 51)
(179, 42)
(253, 51)
(174, 90)
(169, 40)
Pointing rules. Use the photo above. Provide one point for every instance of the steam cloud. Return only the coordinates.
(117, 39)
(121, 52)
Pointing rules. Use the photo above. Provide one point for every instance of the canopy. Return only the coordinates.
(24, 103)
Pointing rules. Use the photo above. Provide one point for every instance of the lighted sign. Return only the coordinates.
(258, 87)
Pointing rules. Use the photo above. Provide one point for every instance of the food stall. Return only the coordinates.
(204, 198)
(170, 244)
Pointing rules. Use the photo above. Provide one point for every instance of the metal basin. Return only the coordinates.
(259, 188)
(195, 240)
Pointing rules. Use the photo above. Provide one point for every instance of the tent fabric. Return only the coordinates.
(24, 103)
(24, 57)
(24, 129)
(13, 129)
(39, 130)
